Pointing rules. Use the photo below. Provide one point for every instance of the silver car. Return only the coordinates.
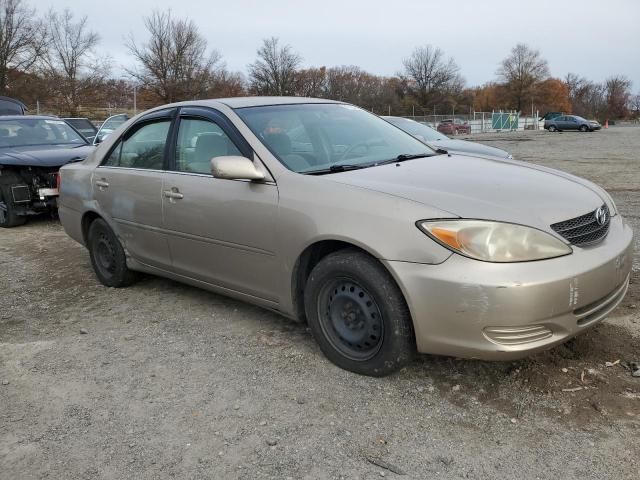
(328, 214)
(435, 139)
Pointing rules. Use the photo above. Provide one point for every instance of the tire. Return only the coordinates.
(553, 128)
(358, 315)
(107, 256)
(583, 128)
(8, 216)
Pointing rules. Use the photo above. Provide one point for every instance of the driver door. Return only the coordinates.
(221, 232)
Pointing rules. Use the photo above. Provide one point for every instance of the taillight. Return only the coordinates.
(58, 180)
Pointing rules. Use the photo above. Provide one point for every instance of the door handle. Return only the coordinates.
(102, 184)
(173, 194)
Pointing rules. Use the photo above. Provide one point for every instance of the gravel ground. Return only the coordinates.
(162, 380)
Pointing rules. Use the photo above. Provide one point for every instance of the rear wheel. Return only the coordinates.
(584, 128)
(358, 315)
(8, 216)
(552, 128)
(107, 256)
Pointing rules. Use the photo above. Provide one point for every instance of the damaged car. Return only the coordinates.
(328, 214)
(32, 150)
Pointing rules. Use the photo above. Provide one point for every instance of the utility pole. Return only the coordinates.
(135, 99)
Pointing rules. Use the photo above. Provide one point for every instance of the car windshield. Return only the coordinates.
(419, 130)
(308, 138)
(110, 124)
(83, 125)
(28, 132)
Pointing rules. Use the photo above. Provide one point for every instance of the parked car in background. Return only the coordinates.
(571, 122)
(436, 139)
(454, 126)
(383, 245)
(108, 126)
(84, 126)
(32, 150)
(551, 115)
(11, 106)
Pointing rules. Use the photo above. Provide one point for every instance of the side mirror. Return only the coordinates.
(234, 167)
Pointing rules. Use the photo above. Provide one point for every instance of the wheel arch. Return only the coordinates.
(311, 256)
(86, 221)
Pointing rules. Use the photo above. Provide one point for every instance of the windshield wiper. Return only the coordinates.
(336, 169)
(403, 157)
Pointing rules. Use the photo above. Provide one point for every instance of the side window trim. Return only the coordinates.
(153, 117)
(221, 120)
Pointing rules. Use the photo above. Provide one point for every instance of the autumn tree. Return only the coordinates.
(274, 72)
(175, 62)
(521, 72)
(552, 95)
(432, 75)
(23, 41)
(72, 66)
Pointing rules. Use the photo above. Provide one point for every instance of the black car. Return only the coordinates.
(84, 126)
(32, 150)
(571, 122)
(11, 106)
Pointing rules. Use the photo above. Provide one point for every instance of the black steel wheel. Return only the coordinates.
(107, 256)
(8, 217)
(358, 315)
(350, 319)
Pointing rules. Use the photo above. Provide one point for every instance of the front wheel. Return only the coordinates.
(584, 128)
(358, 315)
(107, 256)
(8, 216)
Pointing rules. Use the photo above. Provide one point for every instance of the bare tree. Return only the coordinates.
(618, 92)
(634, 105)
(73, 67)
(432, 74)
(22, 40)
(274, 72)
(521, 72)
(311, 82)
(174, 63)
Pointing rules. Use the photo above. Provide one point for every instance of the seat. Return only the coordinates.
(280, 144)
(208, 146)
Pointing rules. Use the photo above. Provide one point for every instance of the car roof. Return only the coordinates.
(243, 102)
(28, 117)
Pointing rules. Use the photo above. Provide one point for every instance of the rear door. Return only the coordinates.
(220, 231)
(128, 188)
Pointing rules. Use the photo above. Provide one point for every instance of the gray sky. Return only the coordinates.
(593, 38)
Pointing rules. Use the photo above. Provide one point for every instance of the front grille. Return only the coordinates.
(585, 229)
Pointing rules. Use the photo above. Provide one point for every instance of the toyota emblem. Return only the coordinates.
(601, 216)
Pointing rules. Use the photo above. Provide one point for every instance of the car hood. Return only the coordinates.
(482, 188)
(43, 155)
(462, 146)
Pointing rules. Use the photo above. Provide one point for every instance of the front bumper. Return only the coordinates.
(494, 311)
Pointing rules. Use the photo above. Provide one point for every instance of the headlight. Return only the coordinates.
(494, 241)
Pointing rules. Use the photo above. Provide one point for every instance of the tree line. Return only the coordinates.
(54, 60)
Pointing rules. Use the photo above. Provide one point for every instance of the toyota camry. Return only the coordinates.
(328, 214)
